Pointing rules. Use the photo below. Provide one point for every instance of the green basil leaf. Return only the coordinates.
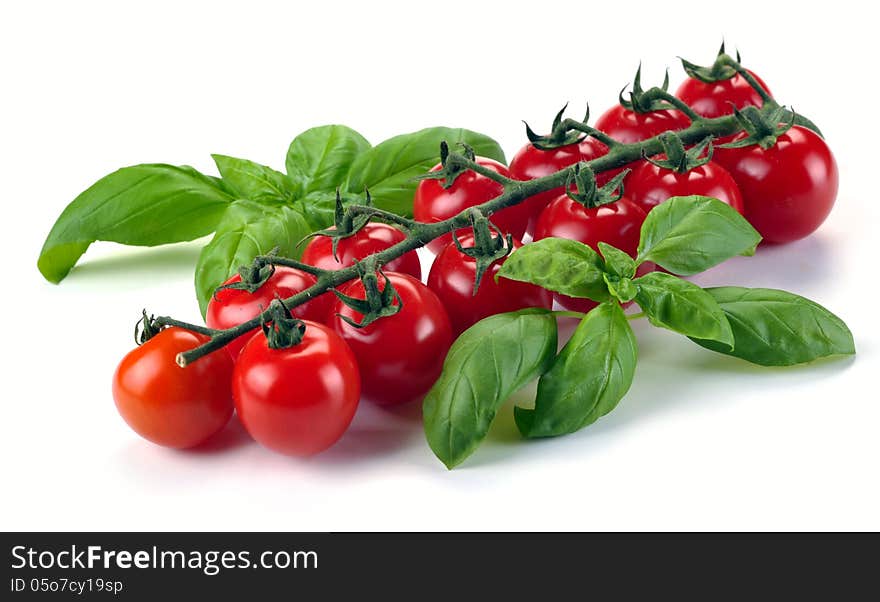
(617, 262)
(682, 307)
(144, 205)
(589, 377)
(776, 328)
(486, 364)
(255, 182)
(320, 157)
(557, 264)
(247, 229)
(687, 235)
(319, 207)
(389, 169)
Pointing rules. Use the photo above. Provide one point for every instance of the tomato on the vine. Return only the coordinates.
(788, 189)
(434, 203)
(719, 98)
(617, 223)
(297, 400)
(230, 307)
(532, 162)
(372, 238)
(400, 356)
(452, 279)
(169, 405)
(649, 185)
(628, 126)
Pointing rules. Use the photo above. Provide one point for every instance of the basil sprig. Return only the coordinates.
(595, 368)
(251, 208)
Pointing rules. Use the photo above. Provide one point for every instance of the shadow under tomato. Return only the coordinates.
(231, 438)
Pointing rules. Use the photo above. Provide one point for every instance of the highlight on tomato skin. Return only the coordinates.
(452, 279)
(372, 238)
(717, 99)
(300, 400)
(172, 406)
(400, 356)
(230, 307)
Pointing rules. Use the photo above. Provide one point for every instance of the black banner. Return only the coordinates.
(252, 566)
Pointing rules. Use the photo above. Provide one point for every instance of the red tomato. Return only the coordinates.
(628, 126)
(400, 356)
(231, 307)
(299, 400)
(169, 405)
(719, 98)
(789, 189)
(616, 223)
(452, 278)
(433, 203)
(649, 185)
(593, 149)
(372, 238)
(531, 163)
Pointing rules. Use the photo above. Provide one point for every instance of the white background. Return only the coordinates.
(700, 442)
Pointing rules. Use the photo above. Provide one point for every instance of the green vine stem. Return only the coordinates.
(419, 234)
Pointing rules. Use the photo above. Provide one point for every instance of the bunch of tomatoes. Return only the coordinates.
(300, 399)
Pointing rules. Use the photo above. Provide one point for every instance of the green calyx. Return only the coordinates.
(450, 170)
(646, 101)
(724, 68)
(253, 276)
(762, 129)
(281, 329)
(345, 224)
(487, 248)
(678, 158)
(559, 135)
(377, 303)
(581, 187)
(145, 328)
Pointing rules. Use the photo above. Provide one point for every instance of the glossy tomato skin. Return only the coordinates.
(231, 307)
(372, 238)
(719, 98)
(650, 185)
(616, 223)
(452, 279)
(531, 163)
(399, 356)
(300, 400)
(628, 126)
(433, 203)
(169, 405)
(789, 189)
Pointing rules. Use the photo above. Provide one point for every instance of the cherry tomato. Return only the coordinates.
(231, 307)
(719, 98)
(616, 223)
(169, 405)
(531, 163)
(628, 126)
(452, 278)
(400, 356)
(789, 189)
(299, 400)
(372, 238)
(433, 203)
(593, 149)
(650, 185)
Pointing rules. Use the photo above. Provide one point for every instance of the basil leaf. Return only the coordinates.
(247, 229)
(319, 207)
(777, 328)
(389, 169)
(683, 307)
(320, 157)
(486, 364)
(557, 264)
(589, 377)
(690, 234)
(255, 182)
(617, 262)
(144, 205)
